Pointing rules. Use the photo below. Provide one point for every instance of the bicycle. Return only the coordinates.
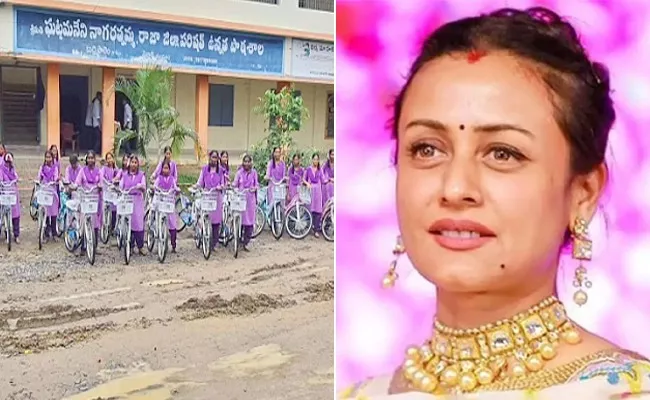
(206, 202)
(163, 204)
(327, 226)
(71, 218)
(123, 224)
(89, 205)
(62, 218)
(44, 195)
(276, 214)
(298, 221)
(109, 199)
(237, 205)
(8, 199)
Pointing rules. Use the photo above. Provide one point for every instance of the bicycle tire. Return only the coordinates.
(41, 228)
(33, 207)
(89, 237)
(149, 230)
(126, 247)
(277, 227)
(235, 233)
(206, 243)
(163, 240)
(180, 210)
(8, 229)
(260, 222)
(325, 223)
(105, 233)
(299, 212)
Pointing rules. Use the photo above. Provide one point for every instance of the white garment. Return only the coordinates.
(97, 113)
(89, 115)
(128, 117)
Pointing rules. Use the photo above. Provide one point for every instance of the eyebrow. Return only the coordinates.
(486, 128)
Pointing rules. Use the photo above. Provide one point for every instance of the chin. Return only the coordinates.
(460, 278)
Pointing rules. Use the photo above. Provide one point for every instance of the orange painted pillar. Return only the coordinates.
(202, 107)
(108, 109)
(53, 104)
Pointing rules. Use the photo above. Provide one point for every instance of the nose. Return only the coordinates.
(460, 185)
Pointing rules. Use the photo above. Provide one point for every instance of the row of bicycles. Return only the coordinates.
(80, 206)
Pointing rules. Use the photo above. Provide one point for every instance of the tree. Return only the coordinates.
(150, 95)
(284, 113)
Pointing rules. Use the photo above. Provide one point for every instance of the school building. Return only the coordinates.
(55, 55)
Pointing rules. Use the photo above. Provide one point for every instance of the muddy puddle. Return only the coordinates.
(240, 305)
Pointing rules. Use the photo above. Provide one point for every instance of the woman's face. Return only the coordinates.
(3, 151)
(125, 162)
(296, 161)
(168, 155)
(478, 143)
(331, 156)
(48, 158)
(247, 163)
(165, 170)
(110, 160)
(90, 160)
(276, 154)
(314, 160)
(134, 164)
(214, 159)
(224, 158)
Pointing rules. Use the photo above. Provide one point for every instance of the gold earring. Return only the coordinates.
(392, 276)
(582, 250)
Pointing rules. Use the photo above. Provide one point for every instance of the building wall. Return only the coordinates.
(285, 15)
(6, 28)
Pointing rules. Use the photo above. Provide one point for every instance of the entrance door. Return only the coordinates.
(74, 100)
(20, 114)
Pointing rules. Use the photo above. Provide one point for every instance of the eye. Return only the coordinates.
(504, 154)
(423, 150)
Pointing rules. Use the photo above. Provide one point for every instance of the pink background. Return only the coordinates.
(376, 41)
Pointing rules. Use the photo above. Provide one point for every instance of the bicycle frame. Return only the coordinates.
(8, 198)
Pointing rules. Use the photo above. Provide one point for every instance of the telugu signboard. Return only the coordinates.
(84, 36)
(311, 59)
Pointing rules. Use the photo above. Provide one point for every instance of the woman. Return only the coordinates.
(223, 160)
(246, 180)
(107, 173)
(501, 132)
(124, 169)
(57, 159)
(47, 174)
(8, 174)
(296, 176)
(328, 177)
(135, 180)
(3, 152)
(72, 170)
(88, 178)
(167, 182)
(314, 181)
(168, 157)
(212, 177)
(275, 172)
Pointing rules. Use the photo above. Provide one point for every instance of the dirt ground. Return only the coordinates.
(256, 327)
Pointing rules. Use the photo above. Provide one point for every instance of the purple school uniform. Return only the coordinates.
(49, 174)
(315, 177)
(128, 181)
(87, 179)
(328, 185)
(107, 173)
(71, 174)
(166, 183)
(296, 176)
(211, 178)
(274, 175)
(7, 175)
(172, 170)
(248, 180)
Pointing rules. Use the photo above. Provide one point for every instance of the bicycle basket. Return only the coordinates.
(208, 202)
(238, 202)
(164, 203)
(109, 195)
(261, 195)
(89, 203)
(8, 196)
(125, 206)
(305, 194)
(45, 197)
(279, 193)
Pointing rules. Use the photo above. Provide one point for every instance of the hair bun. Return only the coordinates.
(601, 74)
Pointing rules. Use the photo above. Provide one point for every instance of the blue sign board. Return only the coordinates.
(93, 37)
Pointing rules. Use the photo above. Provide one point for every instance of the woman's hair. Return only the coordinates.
(329, 154)
(167, 163)
(45, 156)
(312, 158)
(167, 149)
(127, 157)
(52, 149)
(273, 155)
(6, 157)
(214, 153)
(89, 153)
(3, 147)
(246, 157)
(133, 157)
(579, 89)
(226, 164)
(292, 169)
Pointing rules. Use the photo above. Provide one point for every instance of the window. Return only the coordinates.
(329, 132)
(265, 1)
(319, 5)
(221, 105)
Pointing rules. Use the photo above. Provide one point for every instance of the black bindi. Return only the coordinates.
(462, 127)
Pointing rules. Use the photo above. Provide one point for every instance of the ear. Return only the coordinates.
(586, 192)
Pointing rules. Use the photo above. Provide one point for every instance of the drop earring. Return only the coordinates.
(392, 276)
(582, 251)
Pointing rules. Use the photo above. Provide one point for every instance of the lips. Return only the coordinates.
(460, 235)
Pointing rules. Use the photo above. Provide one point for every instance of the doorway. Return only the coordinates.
(19, 109)
(74, 99)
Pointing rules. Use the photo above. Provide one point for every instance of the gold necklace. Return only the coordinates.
(466, 360)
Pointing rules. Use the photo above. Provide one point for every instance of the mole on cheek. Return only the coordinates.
(462, 127)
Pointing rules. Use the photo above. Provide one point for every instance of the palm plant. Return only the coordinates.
(150, 94)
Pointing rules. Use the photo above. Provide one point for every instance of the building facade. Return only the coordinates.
(55, 55)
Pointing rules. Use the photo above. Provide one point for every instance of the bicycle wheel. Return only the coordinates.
(89, 237)
(198, 234)
(105, 233)
(236, 224)
(150, 229)
(33, 206)
(184, 213)
(126, 244)
(60, 223)
(327, 226)
(41, 228)
(6, 225)
(260, 221)
(118, 233)
(206, 244)
(163, 240)
(277, 221)
(70, 236)
(298, 222)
